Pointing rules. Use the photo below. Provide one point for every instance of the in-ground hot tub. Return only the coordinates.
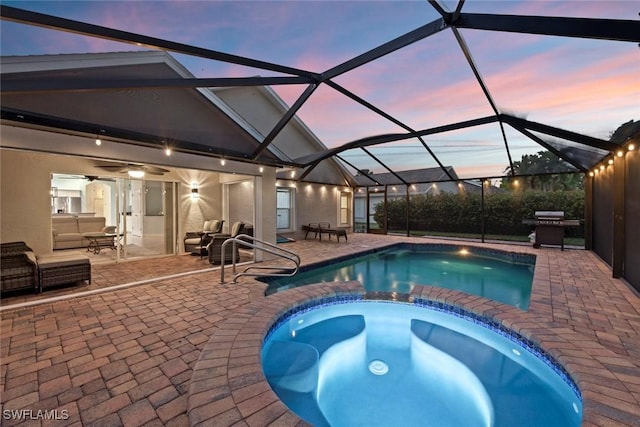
(385, 363)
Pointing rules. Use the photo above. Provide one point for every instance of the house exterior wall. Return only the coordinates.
(240, 199)
(25, 199)
(317, 203)
(208, 206)
(262, 108)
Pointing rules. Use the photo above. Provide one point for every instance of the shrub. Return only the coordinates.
(462, 212)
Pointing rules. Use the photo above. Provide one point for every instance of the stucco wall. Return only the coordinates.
(25, 200)
(241, 202)
(315, 203)
(208, 205)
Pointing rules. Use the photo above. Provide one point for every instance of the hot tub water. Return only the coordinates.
(380, 363)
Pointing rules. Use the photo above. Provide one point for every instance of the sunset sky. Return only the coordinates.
(587, 86)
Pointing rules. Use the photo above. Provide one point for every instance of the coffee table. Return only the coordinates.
(98, 241)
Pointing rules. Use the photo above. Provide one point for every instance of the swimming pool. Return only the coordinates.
(501, 276)
(380, 363)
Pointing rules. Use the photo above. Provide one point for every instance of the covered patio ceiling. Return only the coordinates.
(388, 87)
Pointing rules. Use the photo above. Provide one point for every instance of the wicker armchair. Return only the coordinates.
(18, 267)
(194, 241)
(214, 248)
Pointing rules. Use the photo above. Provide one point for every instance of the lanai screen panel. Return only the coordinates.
(401, 156)
(360, 160)
(425, 84)
(336, 119)
(478, 151)
(586, 86)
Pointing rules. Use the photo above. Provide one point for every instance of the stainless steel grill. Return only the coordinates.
(550, 227)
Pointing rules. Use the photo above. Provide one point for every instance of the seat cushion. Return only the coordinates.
(52, 261)
(90, 224)
(213, 226)
(69, 237)
(192, 241)
(237, 228)
(64, 225)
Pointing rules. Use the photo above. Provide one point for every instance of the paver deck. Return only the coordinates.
(126, 356)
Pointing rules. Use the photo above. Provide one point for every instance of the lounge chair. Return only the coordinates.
(196, 241)
(214, 248)
(321, 228)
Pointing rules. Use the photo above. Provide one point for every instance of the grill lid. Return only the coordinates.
(550, 215)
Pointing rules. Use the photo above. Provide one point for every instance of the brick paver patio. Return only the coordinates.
(127, 356)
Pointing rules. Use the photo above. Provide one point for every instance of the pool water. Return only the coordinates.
(373, 363)
(399, 270)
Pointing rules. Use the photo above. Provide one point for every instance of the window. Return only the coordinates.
(345, 208)
(284, 209)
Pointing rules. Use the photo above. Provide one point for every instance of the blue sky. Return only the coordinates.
(587, 86)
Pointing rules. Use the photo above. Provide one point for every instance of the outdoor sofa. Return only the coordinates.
(67, 230)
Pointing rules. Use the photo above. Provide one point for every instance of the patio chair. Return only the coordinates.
(196, 241)
(214, 248)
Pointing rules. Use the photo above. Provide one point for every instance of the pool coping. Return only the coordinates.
(228, 385)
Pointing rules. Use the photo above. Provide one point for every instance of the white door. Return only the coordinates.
(137, 208)
(284, 209)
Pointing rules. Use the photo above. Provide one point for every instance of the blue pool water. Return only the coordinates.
(502, 278)
(373, 363)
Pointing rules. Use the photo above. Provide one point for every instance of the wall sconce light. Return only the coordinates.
(194, 191)
(631, 147)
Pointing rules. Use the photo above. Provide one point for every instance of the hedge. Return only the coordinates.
(462, 212)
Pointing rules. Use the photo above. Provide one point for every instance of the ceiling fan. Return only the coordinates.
(132, 168)
(89, 178)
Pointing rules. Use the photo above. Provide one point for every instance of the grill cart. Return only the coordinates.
(549, 228)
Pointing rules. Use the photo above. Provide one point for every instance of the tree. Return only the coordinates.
(541, 170)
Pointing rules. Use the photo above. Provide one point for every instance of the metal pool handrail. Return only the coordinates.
(267, 247)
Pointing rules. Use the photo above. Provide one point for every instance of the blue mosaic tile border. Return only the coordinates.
(497, 327)
(308, 306)
(510, 334)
